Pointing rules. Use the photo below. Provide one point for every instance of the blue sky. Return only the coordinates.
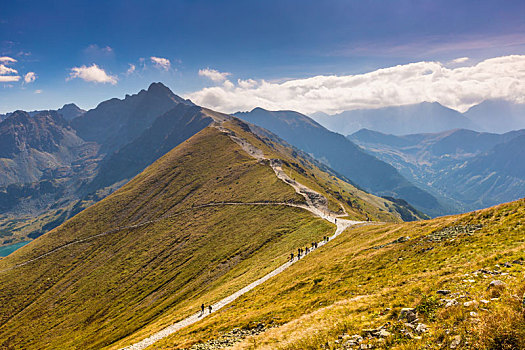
(259, 42)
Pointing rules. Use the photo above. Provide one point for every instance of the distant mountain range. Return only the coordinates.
(345, 157)
(466, 169)
(68, 111)
(55, 163)
(495, 116)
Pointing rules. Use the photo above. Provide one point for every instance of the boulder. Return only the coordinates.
(450, 302)
(421, 328)
(470, 303)
(496, 283)
(456, 341)
(408, 314)
(443, 292)
(383, 333)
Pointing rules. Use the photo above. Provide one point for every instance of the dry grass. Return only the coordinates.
(309, 314)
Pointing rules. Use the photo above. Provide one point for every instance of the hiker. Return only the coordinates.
(306, 251)
(202, 310)
(210, 308)
(291, 257)
(336, 220)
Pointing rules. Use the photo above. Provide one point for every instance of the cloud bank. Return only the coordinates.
(93, 74)
(458, 88)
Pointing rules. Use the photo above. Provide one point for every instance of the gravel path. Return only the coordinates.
(316, 204)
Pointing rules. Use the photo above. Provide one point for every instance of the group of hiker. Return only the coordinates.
(210, 309)
(306, 250)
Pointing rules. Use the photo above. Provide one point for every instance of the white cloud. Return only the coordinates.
(93, 74)
(161, 63)
(131, 69)
(460, 60)
(9, 78)
(38, 91)
(458, 88)
(213, 74)
(8, 74)
(30, 77)
(247, 84)
(7, 60)
(7, 70)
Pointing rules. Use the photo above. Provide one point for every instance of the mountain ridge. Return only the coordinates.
(470, 169)
(157, 243)
(342, 155)
(399, 120)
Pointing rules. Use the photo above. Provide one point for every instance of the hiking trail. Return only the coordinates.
(316, 203)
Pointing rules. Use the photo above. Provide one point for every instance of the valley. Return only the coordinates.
(262, 175)
(464, 169)
(130, 258)
(176, 203)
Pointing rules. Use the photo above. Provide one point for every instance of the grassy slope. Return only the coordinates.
(96, 292)
(336, 190)
(136, 281)
(345, 287)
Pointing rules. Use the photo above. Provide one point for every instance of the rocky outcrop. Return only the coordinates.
(236, 335)
(453, 231)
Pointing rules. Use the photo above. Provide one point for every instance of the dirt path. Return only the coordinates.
(143, 344)
(317, 204)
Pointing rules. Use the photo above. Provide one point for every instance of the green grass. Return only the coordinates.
(120, 287)
(358, 204)
(346, 286)
(99, 291)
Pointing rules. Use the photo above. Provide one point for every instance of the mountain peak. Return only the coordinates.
(70, 111)
(71, 106)
(159, 87)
